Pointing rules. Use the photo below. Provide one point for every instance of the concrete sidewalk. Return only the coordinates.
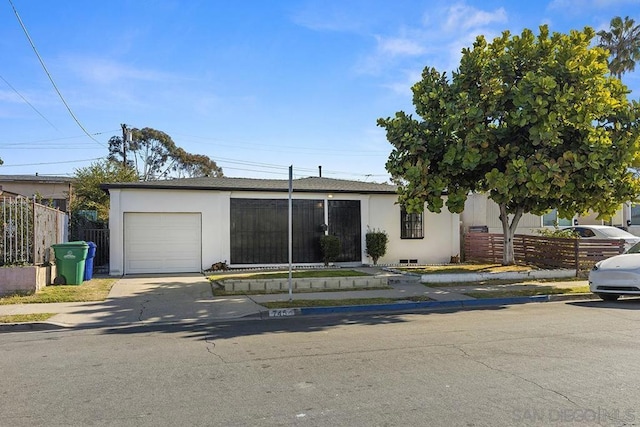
(170, 299)
(401, 287)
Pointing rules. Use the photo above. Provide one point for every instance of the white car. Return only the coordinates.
(618, 275)
(605, 232)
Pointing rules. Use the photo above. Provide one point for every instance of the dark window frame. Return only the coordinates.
(411, 225)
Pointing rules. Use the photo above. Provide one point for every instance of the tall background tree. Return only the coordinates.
(623, 44)
(535, 122)
(154, 155)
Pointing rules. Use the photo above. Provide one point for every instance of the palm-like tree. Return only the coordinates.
(623, 44)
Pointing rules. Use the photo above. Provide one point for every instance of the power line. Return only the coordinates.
(281, 169)
(53, 163)
(285, 168)
(284, 173)
(41, 141)
(50, 77)
(51, 147)
(28, 103)
(273, 148)
(253, 170)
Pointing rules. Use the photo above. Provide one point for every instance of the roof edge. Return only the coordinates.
(134, 186)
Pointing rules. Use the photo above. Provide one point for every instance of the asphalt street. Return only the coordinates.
(561, 363)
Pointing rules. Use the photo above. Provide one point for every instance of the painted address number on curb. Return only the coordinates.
(282, 312)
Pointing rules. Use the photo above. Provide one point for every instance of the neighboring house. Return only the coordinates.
(482, 213)
(53, 191)
(186, 225)
(4, 194)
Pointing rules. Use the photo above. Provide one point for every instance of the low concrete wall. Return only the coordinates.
(510, 275)
(30, 278)
(266, 285)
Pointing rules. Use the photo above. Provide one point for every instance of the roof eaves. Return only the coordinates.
(107, 187)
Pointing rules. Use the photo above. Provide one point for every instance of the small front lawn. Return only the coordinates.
(542, 290)
(92, 290)
(22, 318)
(498, 282)
(466, 268)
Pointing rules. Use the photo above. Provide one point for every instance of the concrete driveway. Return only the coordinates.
(152, 299)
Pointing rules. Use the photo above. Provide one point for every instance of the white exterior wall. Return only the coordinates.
(214, 206)
(481, 211)
(528, 223)
(441, 233)
(378, 211)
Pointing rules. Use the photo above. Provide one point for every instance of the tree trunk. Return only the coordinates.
(508, 231)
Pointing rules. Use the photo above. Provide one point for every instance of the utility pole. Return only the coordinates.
(290, 232)
(126, 137)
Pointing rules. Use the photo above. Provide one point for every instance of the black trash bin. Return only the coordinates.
(88, 263)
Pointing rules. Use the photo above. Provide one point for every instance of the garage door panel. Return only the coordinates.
(162, 243)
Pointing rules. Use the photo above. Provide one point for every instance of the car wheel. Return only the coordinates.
(609, 297)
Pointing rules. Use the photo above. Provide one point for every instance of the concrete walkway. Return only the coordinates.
(164, 299)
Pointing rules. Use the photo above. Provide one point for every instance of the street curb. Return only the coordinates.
(31, 326)
(408, 305)
(316, 311)
(423, 305)
(509, 275)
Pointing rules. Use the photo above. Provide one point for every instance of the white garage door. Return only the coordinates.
(162, 243)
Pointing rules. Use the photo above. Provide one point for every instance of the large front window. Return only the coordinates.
(411, 225)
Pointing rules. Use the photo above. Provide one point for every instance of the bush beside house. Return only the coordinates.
(376, 241)
(331, 248)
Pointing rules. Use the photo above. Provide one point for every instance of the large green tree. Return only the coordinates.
(535, 122)
(623, 44)
(87, 194)
(154, 155)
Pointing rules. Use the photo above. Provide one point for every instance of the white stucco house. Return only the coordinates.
(186, 225)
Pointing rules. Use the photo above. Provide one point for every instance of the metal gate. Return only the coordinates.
(99, 236)
(344, 222)
(259, 231)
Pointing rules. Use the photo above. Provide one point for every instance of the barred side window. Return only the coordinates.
(411, 225)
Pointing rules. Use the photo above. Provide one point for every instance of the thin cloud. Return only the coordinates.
(7, 96)
(438, 43)
(464, 17)
(104, 71)
(576, 5)
(400, 46)
(403, 86)
(390, 50)
(323, 16)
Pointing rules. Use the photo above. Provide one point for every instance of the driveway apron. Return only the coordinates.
(152, 299)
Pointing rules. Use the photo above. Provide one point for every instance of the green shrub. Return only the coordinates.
(376, 244)
(331, 248)
(557, 232)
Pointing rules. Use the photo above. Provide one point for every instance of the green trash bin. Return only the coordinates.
(70, 258)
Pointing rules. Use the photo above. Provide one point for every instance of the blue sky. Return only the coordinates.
(257, 85)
